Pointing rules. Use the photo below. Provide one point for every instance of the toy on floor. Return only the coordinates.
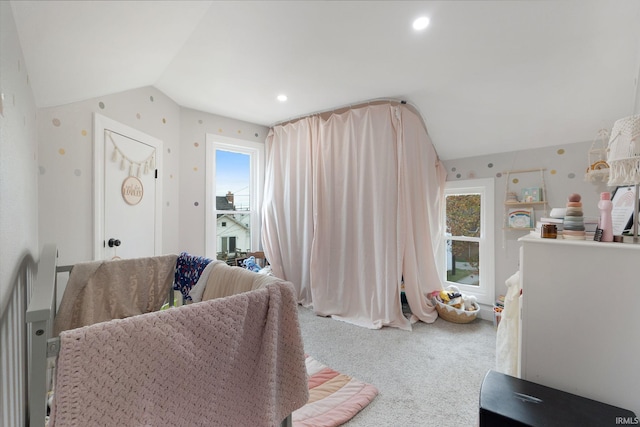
(454, 306)
(470, 303)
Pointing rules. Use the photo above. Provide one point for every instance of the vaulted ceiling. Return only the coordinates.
(487, 76)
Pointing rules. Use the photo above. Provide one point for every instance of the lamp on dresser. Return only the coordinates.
(624, 160)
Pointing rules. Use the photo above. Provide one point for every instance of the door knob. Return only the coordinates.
(113, 242)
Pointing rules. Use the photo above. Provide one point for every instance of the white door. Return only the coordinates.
(128, 191)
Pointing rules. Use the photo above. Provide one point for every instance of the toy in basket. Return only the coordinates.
(454, 306)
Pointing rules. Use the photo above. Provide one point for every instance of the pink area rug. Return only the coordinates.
(334, 398)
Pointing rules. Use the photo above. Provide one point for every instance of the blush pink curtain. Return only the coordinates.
(351, 208)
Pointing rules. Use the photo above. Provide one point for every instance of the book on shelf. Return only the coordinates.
(520, 218)
(531, 194)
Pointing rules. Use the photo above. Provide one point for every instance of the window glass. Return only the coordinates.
(463, 215)
(233, 203)
(234, 179)
(469, 244)
(463, 265)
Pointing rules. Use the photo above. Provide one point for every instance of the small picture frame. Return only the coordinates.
(521, 218)
(623, 200)
(531, 194)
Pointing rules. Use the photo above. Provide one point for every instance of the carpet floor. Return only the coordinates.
(430, 376)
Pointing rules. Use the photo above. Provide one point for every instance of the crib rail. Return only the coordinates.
(39, 317)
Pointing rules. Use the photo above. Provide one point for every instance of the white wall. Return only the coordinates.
(18, 159)
(18, 216)
(194, 127)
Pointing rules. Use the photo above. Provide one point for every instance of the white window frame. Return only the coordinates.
(485, 292)
(255, 150)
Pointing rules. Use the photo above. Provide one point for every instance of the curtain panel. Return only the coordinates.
(351, 212)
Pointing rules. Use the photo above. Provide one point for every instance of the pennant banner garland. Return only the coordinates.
(135, 167)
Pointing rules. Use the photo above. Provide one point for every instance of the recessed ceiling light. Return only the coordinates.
(421, 23)
(282, 98)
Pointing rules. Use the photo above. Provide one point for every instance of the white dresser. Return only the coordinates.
(580, 318)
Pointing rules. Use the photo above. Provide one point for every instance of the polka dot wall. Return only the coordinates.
(203, 124)
(564, 173)
(73, 143)
(66, 162)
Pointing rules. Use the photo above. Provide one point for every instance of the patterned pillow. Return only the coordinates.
(188, 271)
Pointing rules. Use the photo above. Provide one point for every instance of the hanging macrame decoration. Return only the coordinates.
(132, 188)
(598, 169)
(624, 152)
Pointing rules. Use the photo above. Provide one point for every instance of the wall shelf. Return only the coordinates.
(538, 207)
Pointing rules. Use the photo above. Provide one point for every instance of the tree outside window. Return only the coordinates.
(463, 222)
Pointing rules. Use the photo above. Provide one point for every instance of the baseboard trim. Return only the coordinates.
(486, 312)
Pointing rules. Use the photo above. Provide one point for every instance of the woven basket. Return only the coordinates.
(455, 315)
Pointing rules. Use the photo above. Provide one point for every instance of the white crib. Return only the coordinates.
(40, 317)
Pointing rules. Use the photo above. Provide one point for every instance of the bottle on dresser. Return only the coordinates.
(605, 205)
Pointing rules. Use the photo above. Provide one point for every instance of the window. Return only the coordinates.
(234, 192)
(228, 244)
(469, 252)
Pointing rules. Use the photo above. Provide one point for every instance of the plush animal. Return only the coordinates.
(250, 264)
(470, 303)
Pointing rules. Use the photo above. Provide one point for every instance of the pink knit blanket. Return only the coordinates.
(234, 361)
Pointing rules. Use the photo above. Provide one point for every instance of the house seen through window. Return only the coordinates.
(233, 204)
(228, 244)
(234, 179)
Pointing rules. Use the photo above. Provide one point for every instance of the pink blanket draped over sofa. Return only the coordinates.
(234, 361)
